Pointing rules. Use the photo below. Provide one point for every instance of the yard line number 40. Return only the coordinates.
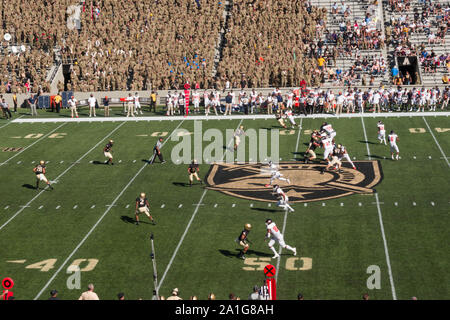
(46, 265)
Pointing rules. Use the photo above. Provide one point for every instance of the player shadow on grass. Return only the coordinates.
(376, 157)
(230, 254)
(267, 210)
(98, 162)
(29, 186)
(369, 142)
(128, 219)
(180, 184)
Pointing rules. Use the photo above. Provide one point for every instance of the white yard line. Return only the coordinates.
(231, 117)
(58, 177)
(298, 135)
(437, 143)
(189, 225)
(365, 137)
(286, 211)
(98, 221)
(380, 216)
(41, 138)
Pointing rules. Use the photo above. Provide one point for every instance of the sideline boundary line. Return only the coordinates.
(380, 217)
(437, 143)
(232, 117)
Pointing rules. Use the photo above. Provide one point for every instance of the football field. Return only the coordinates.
(389, 216)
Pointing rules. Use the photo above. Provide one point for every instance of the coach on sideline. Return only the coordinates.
(157, 152)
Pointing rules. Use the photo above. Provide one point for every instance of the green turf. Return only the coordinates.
(341, 236)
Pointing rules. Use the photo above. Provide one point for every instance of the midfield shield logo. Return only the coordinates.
(306, 181)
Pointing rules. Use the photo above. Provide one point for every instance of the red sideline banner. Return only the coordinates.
(186, 99)
(271, 284)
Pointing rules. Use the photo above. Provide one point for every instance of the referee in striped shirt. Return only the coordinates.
(157, 152)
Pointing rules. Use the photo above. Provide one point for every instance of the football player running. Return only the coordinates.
(107, 152)
(40, 171)
(142, 206)
(274, 234)
(381, 132)
(237, 136)
(243, 240)
(283, 199)
(279, 117)
(393, 138)
(290, 117)
(275, 174)
(343, 154)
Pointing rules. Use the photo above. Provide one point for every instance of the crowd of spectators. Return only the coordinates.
(355, 33)
(27, 56)
(141, 45)
(266, 41)
(138, 45)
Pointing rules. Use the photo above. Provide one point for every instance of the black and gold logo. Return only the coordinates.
(307, 184)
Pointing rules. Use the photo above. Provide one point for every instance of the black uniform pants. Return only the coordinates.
(155, 154)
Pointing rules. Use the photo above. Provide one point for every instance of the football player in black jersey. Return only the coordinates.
(242, 240)
(107, 152)
(40, 171)
(193, 172)
(335, 163)
(313, 144)
(142, 206)
(279, 117)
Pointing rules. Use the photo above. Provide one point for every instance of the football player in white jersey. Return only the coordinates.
(327, 145)
(393, 138)
(381, 132)
(175, 98)
(290, 116)
(274, 234)
(289, 99)
(73, 106)
(216, 101)
(275, 174)
(343, 154)
(137, 104)
(253, 97)
(206, 101)
(169, 103)
(328, 128)
(196, 101)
